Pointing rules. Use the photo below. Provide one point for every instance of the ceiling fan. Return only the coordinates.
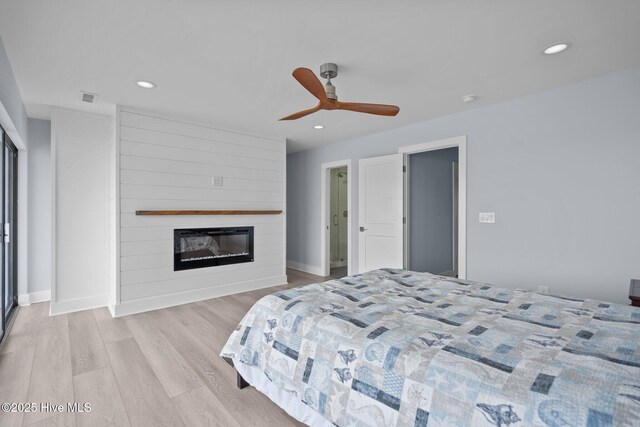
(327, 94)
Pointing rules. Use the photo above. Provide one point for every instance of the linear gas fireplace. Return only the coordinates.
(210, 247)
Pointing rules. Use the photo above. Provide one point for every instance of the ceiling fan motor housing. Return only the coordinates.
(328, 70)
(330, 90)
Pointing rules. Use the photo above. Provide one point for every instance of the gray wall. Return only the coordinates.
(10, 97)
(431, 210)
(560, 168)
(13, 118)
(39, 194)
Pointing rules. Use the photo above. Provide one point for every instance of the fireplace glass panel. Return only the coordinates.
(209, 247)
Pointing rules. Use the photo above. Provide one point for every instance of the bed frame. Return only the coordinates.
(240, 382)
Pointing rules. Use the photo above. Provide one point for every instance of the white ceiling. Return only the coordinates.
(229, 62)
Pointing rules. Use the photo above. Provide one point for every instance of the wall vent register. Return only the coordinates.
(211, 247)
(91, 98)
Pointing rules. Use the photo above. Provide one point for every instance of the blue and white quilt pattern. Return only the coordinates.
(394, 347)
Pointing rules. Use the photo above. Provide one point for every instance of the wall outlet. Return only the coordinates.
(543, 289)
(487, 217)
(217, 181)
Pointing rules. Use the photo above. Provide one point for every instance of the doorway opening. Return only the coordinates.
(432, 217)
(336, 229)
(435, 207)
(8, 216)
(338, 251)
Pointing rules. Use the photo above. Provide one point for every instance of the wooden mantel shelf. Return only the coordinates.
(246, 212)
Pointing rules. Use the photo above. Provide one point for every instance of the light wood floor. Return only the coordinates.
(159, 368)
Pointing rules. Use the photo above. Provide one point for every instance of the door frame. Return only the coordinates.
(325, 193)
(461, 143)
(7, 145)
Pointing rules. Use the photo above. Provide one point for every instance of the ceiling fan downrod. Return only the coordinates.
(328, 71)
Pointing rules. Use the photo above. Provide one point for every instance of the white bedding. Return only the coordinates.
(290, 403)
(395, 347)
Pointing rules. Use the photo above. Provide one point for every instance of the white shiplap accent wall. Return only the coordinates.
(165, 163)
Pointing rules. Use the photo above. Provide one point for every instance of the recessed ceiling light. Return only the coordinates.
(556, 48)
(145, 84)
(318, 127)
(469, 98)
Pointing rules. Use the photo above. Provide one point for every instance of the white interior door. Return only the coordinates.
(380, 203)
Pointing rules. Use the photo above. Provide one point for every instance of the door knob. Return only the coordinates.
(362, 229)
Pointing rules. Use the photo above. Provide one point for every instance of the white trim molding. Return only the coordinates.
(461, 143)
(126, 308)
(77, 304)
(34, 297)
(311, 269)
(325, 168)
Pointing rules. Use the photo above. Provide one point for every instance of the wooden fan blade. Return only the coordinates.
(379, 109)
(308, 79)
(302, 113)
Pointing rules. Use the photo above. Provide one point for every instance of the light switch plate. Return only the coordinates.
(217, 181)
(487, 217)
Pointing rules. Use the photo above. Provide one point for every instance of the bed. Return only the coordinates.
(395, 347)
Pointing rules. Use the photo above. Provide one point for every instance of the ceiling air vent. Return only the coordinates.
(91, 98)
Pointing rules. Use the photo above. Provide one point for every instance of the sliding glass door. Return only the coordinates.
(8, 215)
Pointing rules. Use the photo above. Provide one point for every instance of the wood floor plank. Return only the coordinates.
(208, 335)
(215, 372)
(99, 388)
(65, 419)
(179, 335)
(200, 407)
(185, 314)
(215, 328)
(51, 373)
(174, 373)
(87, 350)
(230, 307)
(218, 376)
(57, 321)
(42, 353)
(236, 306)
(15, 372)
(209, 332)
(145, 400)
(215, 316)
(111, 329)
(25, 329)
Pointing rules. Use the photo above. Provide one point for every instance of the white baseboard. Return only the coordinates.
(311, 269)
(34, 297)
(78, 304)
(169, 300)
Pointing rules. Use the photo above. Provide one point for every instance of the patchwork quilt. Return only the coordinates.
(395, 347)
